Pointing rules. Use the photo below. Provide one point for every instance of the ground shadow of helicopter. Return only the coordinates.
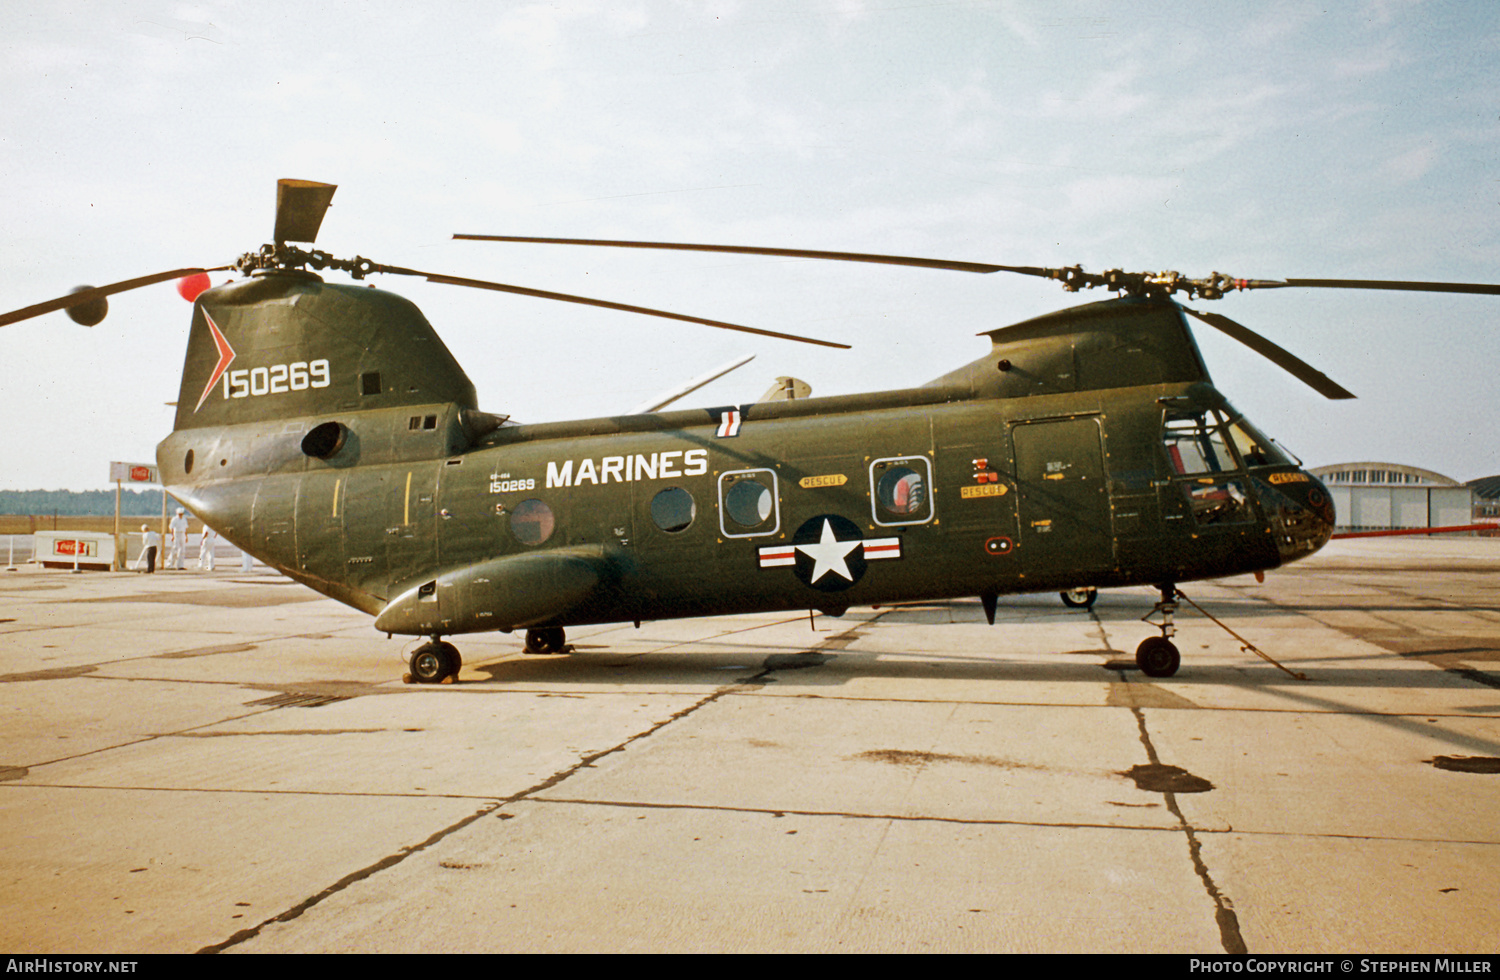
(328, 431)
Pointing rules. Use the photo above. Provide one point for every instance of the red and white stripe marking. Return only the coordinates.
(778, 556)
(729, 423)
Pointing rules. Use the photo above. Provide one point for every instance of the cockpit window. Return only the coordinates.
(1254, 448)
(1206, 450)
(1195, 443)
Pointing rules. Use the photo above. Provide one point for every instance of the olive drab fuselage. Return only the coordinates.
(328, 431)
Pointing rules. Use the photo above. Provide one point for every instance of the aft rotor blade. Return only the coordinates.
(99, 292)
(501, 287)
(1276, 354)
(795, 253)
(300, 206)
(1491, 289)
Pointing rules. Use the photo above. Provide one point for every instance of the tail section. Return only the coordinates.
(287, 345)
(309, 425)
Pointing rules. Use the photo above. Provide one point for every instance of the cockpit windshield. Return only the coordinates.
(1253, 446)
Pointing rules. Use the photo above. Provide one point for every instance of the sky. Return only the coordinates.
(1265, 140)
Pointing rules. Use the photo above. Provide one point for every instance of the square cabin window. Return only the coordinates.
(748, 504)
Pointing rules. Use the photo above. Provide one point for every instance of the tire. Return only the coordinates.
(455, 661)
(1157, 657)
(1079, 598)
(546, 639)
(431, 663)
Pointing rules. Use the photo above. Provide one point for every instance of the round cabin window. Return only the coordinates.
(901, 491)
(532, 522)
(673, 509)
(748, 502)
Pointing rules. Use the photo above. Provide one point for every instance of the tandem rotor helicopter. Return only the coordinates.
(328, 431)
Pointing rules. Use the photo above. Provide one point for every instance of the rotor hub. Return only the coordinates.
(281, 257)
(1152, 285)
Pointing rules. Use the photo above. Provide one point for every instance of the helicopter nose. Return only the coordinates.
(1301, 510)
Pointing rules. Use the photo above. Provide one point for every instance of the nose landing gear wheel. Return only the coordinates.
(1157, 656)
(1079, 598)
(549, 639)
(432, 663)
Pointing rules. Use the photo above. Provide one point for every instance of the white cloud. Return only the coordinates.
(1410, 165)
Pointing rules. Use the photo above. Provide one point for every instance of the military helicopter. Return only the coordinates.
(328, 431)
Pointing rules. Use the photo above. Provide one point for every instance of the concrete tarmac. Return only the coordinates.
(216, 761)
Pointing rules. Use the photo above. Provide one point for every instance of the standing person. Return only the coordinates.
(150, 541)
(206, 549)
(179, 527)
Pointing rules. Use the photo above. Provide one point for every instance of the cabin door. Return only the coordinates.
(1063, 498)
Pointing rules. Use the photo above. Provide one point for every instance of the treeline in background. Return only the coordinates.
(26, 511)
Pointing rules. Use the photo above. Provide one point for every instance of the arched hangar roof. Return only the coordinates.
(1380, 474)
(1486, 487)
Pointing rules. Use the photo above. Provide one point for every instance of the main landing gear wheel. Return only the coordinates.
(1157, 656)
(1079, 598)
(432, 663)
(548, 639)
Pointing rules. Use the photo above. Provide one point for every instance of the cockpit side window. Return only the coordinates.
(1198, 446)
(1195, 443)
(1254, 448)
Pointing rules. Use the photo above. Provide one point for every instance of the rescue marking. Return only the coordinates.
(827, 480)
(984, 490)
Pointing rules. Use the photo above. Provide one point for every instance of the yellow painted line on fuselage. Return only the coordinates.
(406, 511)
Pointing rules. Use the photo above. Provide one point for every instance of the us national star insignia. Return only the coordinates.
(828, 553)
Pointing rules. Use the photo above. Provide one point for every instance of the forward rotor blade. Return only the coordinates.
(300, 206)
(98, 292)
(1277, 355)
(501, 287)
(1418, 287)
(660, 401)
(795, 253)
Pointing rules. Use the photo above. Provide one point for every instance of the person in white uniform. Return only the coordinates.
(206, 549)
(150, 543)
(179, 528)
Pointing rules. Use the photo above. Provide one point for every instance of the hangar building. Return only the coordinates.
(1384, 496)
(1486, 499)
